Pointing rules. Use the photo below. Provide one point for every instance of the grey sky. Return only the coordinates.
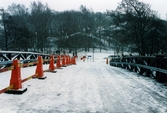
(96, 5)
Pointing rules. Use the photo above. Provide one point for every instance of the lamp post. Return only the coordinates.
(93, 52)
(93, 46)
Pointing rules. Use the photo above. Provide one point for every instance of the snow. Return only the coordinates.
(88, 87)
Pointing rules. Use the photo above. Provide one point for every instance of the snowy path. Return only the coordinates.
(88, 87)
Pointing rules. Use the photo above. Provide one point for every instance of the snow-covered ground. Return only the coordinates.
(88, 87)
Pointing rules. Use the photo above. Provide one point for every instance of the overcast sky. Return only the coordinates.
(96, 5)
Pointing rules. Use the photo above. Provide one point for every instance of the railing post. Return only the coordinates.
(159, 64)
(141, 69)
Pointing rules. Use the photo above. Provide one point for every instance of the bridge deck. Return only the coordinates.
(86, 87)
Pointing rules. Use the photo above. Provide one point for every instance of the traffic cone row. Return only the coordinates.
(16, 81)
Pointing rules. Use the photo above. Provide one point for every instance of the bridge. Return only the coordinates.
(152, 66)
(88, 87)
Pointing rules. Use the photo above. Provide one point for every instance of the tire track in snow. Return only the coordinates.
(107, 92)
(114, 99)
(149, 99)
(85, 90)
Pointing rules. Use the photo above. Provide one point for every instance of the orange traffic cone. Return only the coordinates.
(51, 66)
(67, 60)
(15, 80)
(58, 65)
(69, 63)
(39, 69)
(106, 60)
(74, 60)
(63, 61)
(70, 60)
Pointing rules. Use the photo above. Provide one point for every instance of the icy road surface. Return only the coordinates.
(88, 87)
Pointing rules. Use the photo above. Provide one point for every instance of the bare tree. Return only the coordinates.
(19, 31)
(5, 20)
(40, 19)
(133, 17)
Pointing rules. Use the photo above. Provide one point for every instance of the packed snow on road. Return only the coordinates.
(91, 86)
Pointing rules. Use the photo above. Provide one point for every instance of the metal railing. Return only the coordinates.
(26, 58)
(154, 66)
